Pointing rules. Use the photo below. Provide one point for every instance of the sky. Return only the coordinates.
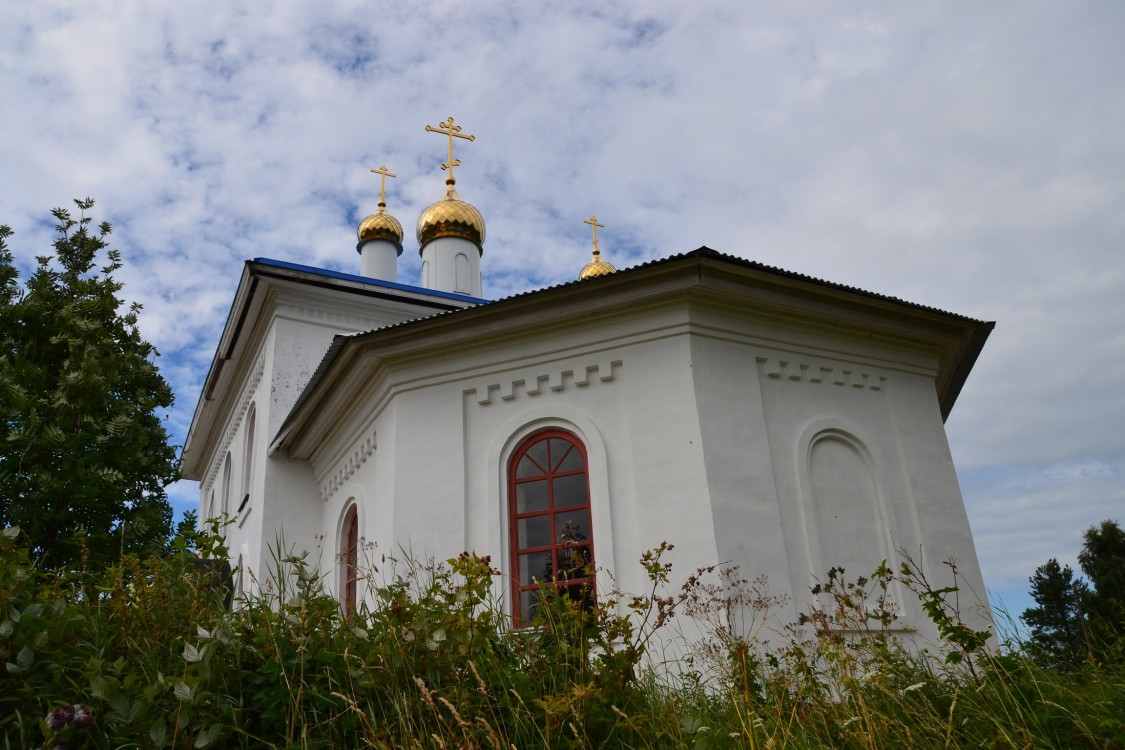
(966, 156)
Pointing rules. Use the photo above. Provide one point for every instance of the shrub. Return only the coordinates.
(150, 654)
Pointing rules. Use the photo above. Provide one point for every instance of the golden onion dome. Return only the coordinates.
(380, 226)
(451, 217)
(596, 267)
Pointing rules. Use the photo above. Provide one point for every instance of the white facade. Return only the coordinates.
(746, 415)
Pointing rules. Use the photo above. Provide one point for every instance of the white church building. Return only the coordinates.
(748, 415)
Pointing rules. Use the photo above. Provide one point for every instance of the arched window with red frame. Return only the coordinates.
(552, 541)
(349, 559)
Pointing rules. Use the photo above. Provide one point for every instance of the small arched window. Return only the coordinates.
(349, 560)
(552, 542)
(239, 579)
(248, 460)
(226, 485)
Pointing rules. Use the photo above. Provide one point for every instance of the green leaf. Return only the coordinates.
(120, 704)
(208, 736)
(11, 532)
(191, 653)
(99, 687)
(182, 691)
(25, 658)
(6, 628)
(158, 732)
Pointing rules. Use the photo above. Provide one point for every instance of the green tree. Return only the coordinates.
(1076, 620)
(1057, 625)
(1103, 561)
(83, 452)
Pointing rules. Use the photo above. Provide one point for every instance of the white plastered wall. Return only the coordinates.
(698, 427)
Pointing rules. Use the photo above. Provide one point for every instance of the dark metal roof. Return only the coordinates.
(702, 252)
(340, 342)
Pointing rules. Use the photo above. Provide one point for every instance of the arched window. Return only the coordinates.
(248, 459)
(239, 579)
(552, 543)
(349, 560)
(226, 485)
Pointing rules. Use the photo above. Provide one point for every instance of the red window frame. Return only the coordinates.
(349, 556)
(549, 521)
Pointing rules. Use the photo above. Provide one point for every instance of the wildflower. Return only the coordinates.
(59, 718)
(83, 716)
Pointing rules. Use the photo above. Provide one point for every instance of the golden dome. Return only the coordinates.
(380, 226)
(451, 217)
(596, 267)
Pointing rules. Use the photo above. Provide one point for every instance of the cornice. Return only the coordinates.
(789, 370)
(556, 380)
(252, 381)
(347, 467)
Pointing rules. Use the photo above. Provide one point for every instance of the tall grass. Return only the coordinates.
(430, 661)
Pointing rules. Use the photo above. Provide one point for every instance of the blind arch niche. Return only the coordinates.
(847, 521)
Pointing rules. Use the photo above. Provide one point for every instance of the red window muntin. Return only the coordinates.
(349, 556)
(552, 541)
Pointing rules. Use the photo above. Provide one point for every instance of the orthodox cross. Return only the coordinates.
(593, 222)
(383, 175)
(453, 131)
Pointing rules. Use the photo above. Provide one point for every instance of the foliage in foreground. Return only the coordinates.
(156, 660)
(83, 452)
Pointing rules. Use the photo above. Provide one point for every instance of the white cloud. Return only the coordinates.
(967, 158)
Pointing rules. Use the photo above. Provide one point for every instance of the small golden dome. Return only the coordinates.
(380, 226)
(596, 267)
(451, 217)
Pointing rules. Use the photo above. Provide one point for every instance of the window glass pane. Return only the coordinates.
(559, 450)
(574, 562)
(572, 526)
(536, 566)
(571, 461)
(581, 593)
(534, 461)
(570, 490)
(534, 531)
(529, 602)
(531, 496)
(528, 468)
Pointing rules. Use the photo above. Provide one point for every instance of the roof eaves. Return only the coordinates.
(365, 281)
(703, 252)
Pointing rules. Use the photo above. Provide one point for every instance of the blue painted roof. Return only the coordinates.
(367, 280)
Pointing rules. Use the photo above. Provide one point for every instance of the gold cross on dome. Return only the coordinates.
(383, 175)
(452, 131)
(593, 222)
